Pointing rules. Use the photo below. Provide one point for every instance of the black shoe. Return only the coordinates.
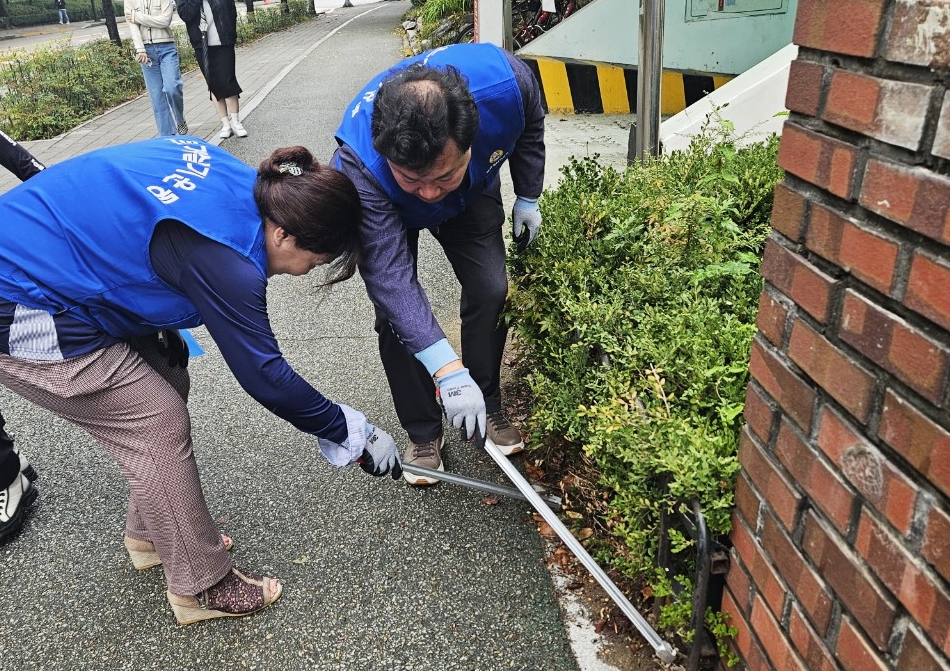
(26, 468)
(14, 500)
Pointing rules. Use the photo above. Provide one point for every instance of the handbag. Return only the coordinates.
(203, 56)
(204, 53)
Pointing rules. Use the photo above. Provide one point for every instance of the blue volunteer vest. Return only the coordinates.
(501, 122)
(75, 237)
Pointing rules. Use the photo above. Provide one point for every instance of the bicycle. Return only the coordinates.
(529, 19)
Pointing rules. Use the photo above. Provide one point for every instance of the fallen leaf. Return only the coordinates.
(573, 514)
(584, 534)
(491, 501)
(302, 559)
(545, 530)
(599, 626)
(533, 472)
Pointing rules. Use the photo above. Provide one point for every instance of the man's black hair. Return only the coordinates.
(420, 108)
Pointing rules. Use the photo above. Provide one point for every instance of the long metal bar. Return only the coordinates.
(649, 76)
(664, 651)
(552, 502)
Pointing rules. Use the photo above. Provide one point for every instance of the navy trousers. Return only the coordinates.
(474, 244)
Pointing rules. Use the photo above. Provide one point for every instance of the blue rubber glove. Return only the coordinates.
(525, 221)
(462, 401)
(380, 455)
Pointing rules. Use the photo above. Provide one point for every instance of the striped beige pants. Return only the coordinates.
(134, 405)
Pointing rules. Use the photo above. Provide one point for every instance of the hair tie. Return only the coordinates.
(290, 167)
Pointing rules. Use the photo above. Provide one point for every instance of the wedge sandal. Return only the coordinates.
(143, 555)
(237, 594)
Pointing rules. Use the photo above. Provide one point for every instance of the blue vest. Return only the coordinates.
(501, 122)
(75, 237)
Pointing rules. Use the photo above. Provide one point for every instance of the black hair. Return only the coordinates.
(418, 110)
(316, 204)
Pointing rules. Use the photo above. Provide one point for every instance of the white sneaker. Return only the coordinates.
(225, 129)
(14, 500)
(236, 125)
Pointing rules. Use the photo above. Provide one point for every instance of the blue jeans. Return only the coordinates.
(63, 16)
(163, 81)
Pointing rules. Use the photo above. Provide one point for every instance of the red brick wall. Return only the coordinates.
(841, 541)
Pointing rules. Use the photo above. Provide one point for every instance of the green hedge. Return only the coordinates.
(634, 313)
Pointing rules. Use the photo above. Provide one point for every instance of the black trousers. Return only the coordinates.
(474, 244)
(9, 462)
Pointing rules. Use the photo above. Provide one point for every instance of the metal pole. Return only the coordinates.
(554, 502)
(649, 76)
(664, 651)
(506, 24)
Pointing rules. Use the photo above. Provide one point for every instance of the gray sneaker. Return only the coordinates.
(427, 455)
(503, 435)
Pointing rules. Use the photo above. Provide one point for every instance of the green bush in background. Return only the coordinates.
(634, 314)
(50, 91)
(433, 11)
(442, 22)
(47, 92)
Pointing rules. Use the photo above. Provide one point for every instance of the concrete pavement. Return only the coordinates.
(377, 575)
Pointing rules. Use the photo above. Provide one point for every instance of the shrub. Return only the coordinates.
(47, 92)
(634, 313)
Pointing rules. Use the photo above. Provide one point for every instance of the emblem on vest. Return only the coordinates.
(496, 156)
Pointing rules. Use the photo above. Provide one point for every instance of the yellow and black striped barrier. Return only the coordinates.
(574, 87)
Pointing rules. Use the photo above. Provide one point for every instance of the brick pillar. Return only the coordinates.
(841, 541)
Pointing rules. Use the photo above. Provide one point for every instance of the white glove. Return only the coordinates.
(525, 221)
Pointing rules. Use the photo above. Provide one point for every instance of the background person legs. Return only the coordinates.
(168, 101)
(154, 84)
(225, 90)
